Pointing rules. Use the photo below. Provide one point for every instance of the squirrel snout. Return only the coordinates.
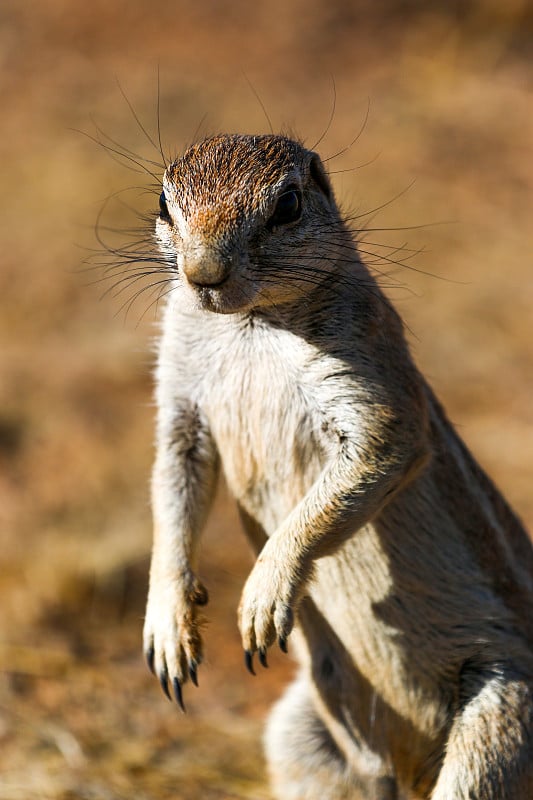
(206, 270)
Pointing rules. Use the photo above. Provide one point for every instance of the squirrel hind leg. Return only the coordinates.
(303, 760)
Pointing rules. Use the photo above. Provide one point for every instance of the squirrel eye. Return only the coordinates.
(288, 209)
(163, 208)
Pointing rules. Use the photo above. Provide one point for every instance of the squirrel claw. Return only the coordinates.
(178, 694)
(163, 680)
(149, 655)
(193, 673)
(249, 661)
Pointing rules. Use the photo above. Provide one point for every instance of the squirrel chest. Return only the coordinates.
(265, 398)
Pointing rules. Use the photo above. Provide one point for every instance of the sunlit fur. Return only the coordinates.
(403, 578)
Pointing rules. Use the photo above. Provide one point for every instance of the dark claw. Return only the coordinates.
(163, 680)
(177, 692)
(263, 657)
(249, 661)
(149, 655)
(192, 673)
(283, 644)
(201, 596)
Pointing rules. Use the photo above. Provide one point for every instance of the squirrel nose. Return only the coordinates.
(206, 270)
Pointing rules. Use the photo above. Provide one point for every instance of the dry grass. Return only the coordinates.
(450, 107)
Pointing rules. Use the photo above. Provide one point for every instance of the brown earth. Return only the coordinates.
(450, 93)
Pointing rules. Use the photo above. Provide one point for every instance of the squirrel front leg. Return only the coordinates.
(347, 494)
(183, 484)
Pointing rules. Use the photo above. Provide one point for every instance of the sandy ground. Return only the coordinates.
(449, 133)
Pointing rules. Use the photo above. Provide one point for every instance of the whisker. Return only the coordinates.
(357, 166)
(130, 302)
(126, 150)
(331, 116)
(126, 274)
(353, 260)
(362, 215)
(138, 121)
(129, 280)
(256, 95)
(199, 127)
(120, 153)
(345, 149)
(161, 294)
(159, 117)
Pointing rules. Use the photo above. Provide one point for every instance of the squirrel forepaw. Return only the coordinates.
(266, 611)
(171, 638)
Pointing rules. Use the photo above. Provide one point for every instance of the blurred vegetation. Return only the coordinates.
(450, 92)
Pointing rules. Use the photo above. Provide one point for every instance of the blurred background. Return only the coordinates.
(439, 100)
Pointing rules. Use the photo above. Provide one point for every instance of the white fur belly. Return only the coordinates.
(267, 427)
(270, 452)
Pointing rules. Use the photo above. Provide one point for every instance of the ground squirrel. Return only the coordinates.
(402, 576)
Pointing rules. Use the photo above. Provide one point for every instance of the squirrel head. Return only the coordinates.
(247, 219)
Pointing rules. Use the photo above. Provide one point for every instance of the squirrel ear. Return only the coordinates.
(319, 175)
